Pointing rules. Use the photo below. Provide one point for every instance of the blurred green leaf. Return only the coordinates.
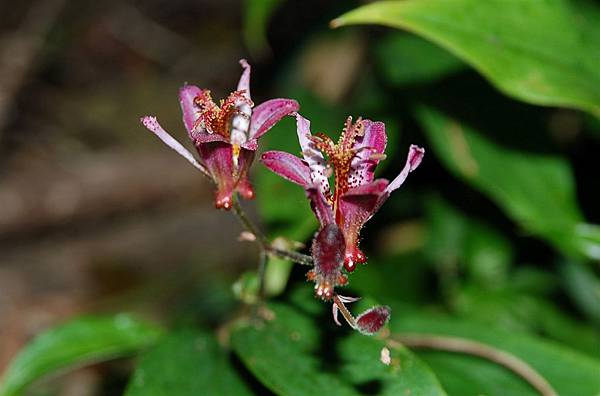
(256, 20)
(407, 59)
(291, 355)
(584, 288)
(568, 371)
(75, 343)
(459, 244)
(186, 363)
(246, 287)
(536, 51)
(463, 375)
(537, 191)
(511, 310)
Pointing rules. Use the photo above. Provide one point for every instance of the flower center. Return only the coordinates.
(340, 156)
(218, 119)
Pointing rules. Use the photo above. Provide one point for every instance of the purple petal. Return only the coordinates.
(357, 206)
(415, 155)
(187, 94)
(364, 163)
(152, 124)
(312, 156)
(204, 137)
(218, 157)
(243, 186)
(319, 205)
(267, 114)
(287, 166)
(244, 83)
(251, 145)
(373, 319)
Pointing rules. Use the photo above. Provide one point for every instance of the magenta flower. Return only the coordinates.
(356, 195)
(224, 135)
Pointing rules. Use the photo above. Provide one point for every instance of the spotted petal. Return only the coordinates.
(267, 114)
(153, 126)
(287, 166)
(312, 156)
(369, 148)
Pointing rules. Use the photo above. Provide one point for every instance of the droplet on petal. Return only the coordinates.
(353, 258)
(349, 264)
(373, 319)
(224, 201)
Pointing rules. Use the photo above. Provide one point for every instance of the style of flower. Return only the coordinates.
(356, 194)
(225, 135)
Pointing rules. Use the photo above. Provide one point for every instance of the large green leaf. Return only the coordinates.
(186, 363)
(80, 341)
(538, 51)
(537, 191)
(294, 355)
(569, 372)
(408, 59)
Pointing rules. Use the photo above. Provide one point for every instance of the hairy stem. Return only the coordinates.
(469, 347)
(291, 255)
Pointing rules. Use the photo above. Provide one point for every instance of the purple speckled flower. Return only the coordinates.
(224, 135)
(357, 195)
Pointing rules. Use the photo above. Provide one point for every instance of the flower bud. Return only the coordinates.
(373, 319)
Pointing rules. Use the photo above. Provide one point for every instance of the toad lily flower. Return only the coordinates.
(356, 195)
(224, 135)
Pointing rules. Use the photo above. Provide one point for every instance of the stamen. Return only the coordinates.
(217, 119)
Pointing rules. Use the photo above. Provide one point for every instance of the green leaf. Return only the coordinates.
(75, 343)
(568, 371)
(256, 19)
(294, 355)
(536, 51)
(407, 59)
(456, 240)
(469, 375)
(583, 287)
(537, 191)
(511, 310)
(186, 363)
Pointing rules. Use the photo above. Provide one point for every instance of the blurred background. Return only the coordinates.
(96, 215)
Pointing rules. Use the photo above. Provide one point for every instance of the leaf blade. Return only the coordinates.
(341, 369)
(77, 342)
(531, 50)
(186, 363)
